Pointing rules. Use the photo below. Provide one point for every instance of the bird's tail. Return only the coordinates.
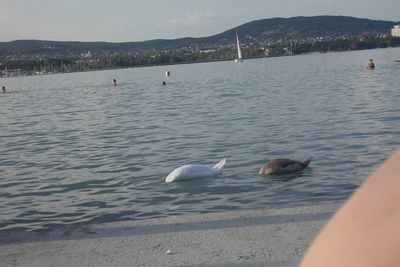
(307, 161)
(220, 165)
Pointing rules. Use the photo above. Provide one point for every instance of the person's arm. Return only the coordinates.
(366, 229)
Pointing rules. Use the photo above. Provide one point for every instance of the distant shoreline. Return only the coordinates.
(190, 62)
(131, 67)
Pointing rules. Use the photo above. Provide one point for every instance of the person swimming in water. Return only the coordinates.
(114, 83)
(370, 64)
(3, 90)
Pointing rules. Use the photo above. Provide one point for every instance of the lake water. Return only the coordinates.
(76, 150)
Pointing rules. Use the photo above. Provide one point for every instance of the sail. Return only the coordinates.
(238, 48)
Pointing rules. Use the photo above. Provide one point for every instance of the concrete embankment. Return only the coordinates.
(262, 237)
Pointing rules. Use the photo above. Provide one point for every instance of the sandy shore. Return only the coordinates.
(264, 237)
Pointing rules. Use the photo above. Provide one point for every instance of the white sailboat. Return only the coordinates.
(239, 58)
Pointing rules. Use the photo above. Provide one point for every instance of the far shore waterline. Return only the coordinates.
(189, 62)
(132, 67)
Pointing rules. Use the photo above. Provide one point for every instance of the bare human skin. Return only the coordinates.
(366, 229)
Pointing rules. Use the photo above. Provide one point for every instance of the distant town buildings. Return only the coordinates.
(45, 57)
(12, 73)
(396, 31)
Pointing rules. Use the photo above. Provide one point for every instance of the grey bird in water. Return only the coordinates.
(283, 166)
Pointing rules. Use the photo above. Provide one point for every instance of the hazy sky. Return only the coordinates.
(138, 20)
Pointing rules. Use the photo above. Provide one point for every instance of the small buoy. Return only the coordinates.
(167, 74)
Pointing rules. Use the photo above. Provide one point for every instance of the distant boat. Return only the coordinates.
(239, 58)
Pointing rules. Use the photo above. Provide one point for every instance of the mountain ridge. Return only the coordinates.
(263, 31)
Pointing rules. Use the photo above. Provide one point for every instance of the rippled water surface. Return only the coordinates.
(74, 149)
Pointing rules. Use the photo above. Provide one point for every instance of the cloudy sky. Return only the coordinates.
(138, 20)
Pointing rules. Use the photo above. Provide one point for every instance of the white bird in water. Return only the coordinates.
(283, 166)
(195, 171)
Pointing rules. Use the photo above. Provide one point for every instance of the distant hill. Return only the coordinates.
(255, 32)
(312, 27)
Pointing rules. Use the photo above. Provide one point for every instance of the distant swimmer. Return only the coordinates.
(114, 83)
(4, 90)
(164, 83)
(370, 64)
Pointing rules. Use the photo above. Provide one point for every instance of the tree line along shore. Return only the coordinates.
(48, 65)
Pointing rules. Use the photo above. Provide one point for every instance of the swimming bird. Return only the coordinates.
(194, 171)
(283, 166)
